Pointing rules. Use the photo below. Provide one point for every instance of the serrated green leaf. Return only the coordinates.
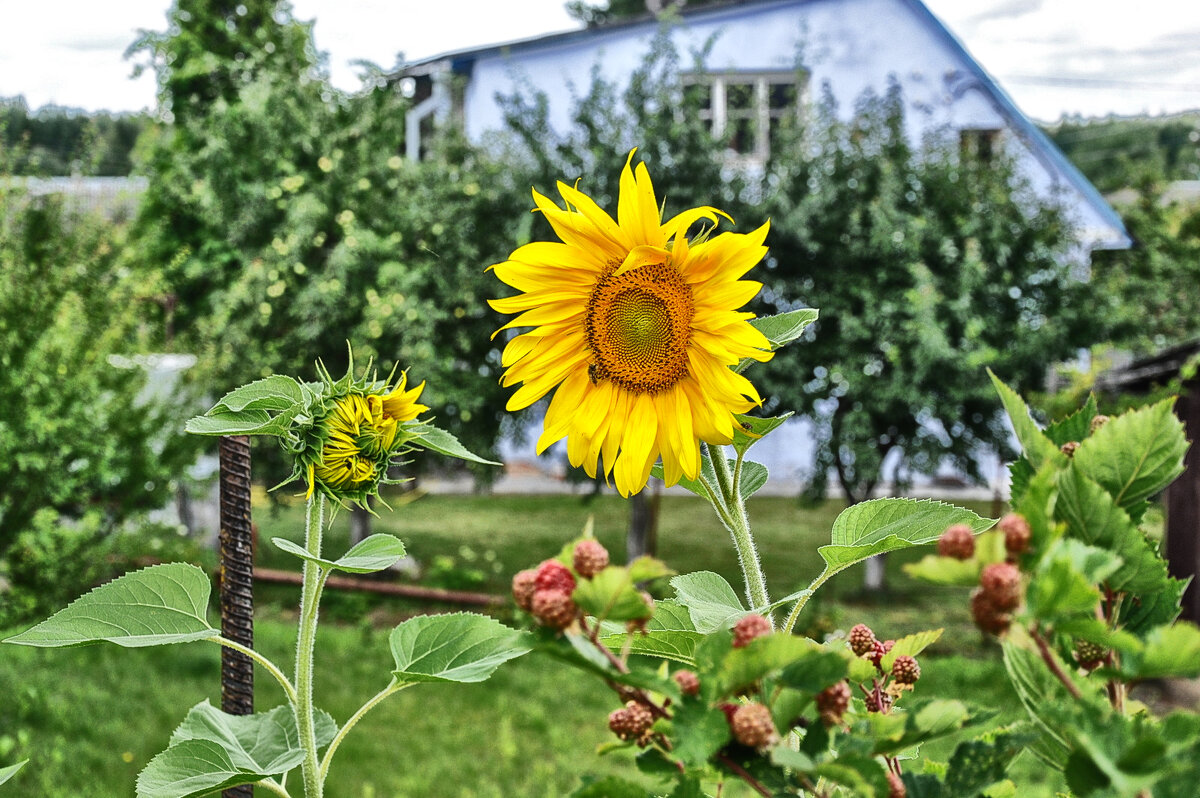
(460, 647)
(698, 732)
(761, 656)
(1074, 427)
(710, 600)
(749, 430)
(212, 751)
(911, 646)
(785, 757)
(611, 594)
(154, 606)
(754, 476)
(1142, 614)
(670, 634)
(929, 721)
(376, 553)
(1170, 652)
(438, 440)
(246, 422)
(863, 775)
(978, 764)
(1135, 455)
(1037, 447)
(816, 670)
(8, 772)
(939, 570)
(882, 525)
(1092, 516)
(1065, 583)
(276, 393)
(1040, 694)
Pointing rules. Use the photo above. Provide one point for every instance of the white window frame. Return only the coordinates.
(718, 112)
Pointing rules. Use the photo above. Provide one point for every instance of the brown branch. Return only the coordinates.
(1052, 663)
(386, 588)
(593, 634)
(744, 776)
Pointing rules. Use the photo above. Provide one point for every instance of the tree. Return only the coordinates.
(77, 434)
(927, 265)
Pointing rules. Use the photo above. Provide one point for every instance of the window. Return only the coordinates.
(745, 109)
(979, 144)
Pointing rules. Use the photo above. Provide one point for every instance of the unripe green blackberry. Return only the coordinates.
(905, 670)
(1090, 655)
(861, 639)
(750, 627)
(631, 721)
(832, 703)
(1001, 581)
(896, 788)
(689, 682)
(958, 541)
(1098, 422)
(1017, 533)
(523, 587)
(590, 558)
(553, 575)
(753, 726)
(553, 608)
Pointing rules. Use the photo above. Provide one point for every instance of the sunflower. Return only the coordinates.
(635, 329)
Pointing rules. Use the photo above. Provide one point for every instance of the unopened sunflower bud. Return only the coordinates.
(1069, 448)
(750, 627)
(589, 558)
(631, 721)
(832, 703)
(958, 541)
(1098, 422)
(905, 670)
(523, 587)
(1001, 581)
(861, 639)
(753, 726)
(689, 682)
(1017, 533)
(553, 608)
(553, 575)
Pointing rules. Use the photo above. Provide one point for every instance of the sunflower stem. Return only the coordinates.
(310, 596)
(739, 526)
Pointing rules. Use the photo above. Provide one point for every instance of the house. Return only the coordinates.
(764, 60)
(753, 77)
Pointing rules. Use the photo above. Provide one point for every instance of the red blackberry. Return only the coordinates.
(590, 558)
(958, 541)
(750, 627)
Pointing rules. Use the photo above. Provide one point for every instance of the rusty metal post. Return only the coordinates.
(237, 583)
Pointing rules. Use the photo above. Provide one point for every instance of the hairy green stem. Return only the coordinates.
(800, 602)
(270, 785)
(267, 665)
(739, 527)
(310, 596)
(394, 687)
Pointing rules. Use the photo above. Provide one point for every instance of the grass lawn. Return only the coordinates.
(90, 718)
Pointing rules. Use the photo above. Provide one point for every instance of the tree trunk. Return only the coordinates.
(643, 525)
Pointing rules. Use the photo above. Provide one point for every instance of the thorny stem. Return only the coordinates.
(739, 527)
(267, 665)
(744, 776)
(593, 634)
(310, 596)
(1115, 687)
(1052, 663)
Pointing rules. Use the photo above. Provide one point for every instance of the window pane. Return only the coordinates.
(741, 136)
(698, 95)
(739, 96)
(781, 96)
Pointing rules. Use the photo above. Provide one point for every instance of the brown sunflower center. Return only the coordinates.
(638, 324)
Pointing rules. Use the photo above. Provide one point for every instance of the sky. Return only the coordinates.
(1054, 57)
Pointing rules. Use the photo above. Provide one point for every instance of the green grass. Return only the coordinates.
(90, 718)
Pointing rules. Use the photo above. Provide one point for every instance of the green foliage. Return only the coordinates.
(8, 772)
(154, 606)
(66, 141)
(927, 268)
(212, 750)
(453, 648)
(376, 553)
(1114, 153)
(79, 435)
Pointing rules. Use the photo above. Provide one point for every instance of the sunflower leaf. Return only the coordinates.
(710, 600)
(749, 430)
(784, 328)
(376, 553)
(461, 647)
(442, 442)
(277, 392)
(252, 421)
(151, 607)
